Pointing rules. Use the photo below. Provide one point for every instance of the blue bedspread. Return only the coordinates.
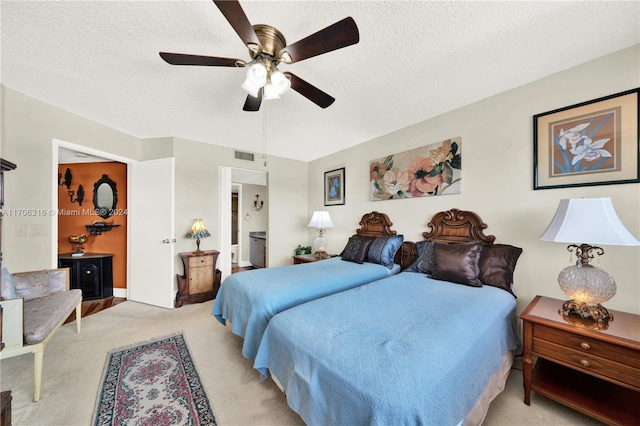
(403, 350)
(250, 299)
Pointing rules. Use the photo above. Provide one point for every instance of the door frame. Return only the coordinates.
(224, 224)
(56, 145)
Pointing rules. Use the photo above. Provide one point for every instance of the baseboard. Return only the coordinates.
(120, 292)
(244, 263)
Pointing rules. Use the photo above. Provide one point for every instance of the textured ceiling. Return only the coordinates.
(415, 60)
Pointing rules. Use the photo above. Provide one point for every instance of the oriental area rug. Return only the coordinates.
(152, 383)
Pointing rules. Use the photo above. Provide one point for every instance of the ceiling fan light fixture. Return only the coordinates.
(280, 82)
(250, 88)
(257, 74)
(270, 92)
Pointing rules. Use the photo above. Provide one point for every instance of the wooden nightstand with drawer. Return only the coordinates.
(201, 279)
(594, 371)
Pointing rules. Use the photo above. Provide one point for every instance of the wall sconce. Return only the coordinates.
(197, 231)
(67, 179)
(257, 204)
(79, 196)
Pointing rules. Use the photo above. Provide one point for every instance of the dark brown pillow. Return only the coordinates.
(457, 263)
(357, 249)
(497, 263)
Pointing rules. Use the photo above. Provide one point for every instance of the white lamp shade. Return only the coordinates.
(588, 220)
(320, 220)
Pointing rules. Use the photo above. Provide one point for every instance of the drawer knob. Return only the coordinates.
(585, 363)
(585, 346)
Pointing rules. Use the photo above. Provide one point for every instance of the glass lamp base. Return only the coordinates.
(596, 312)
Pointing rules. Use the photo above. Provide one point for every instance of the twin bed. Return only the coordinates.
(250, 299)
(432, 344)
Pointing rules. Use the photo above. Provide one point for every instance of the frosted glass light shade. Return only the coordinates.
(270, 92)
(587, 284)
(256, 78)
(280, 82)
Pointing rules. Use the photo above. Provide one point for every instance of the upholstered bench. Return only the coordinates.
(35, 304)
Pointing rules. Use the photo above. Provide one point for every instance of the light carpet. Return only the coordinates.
(73, 365)
(152, 383)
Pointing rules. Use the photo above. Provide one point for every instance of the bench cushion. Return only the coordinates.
(41, 315)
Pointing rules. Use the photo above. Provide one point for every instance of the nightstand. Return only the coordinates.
(594, 371)
(201, 279)
(306, 258)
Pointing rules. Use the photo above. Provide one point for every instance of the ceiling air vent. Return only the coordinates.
(240, 155)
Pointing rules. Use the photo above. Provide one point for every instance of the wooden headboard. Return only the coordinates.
(375, 224)
(457, 226)
(451, 226)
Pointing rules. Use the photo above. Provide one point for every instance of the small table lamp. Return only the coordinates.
(320, 220)
(587, 221)
(198, 230)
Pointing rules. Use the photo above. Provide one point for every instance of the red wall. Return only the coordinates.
(72, 217)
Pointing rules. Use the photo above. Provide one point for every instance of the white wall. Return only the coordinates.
(28, 128)
(497, 178)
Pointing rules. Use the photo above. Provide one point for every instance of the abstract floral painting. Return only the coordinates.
(592, 143)
(422, 172)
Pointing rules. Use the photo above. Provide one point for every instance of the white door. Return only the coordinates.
(151, 232)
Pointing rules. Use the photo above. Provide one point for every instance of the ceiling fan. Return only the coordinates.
(268, 48)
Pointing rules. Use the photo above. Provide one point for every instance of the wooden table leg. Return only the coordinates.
(527, 362)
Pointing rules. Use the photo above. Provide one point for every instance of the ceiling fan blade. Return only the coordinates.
(253, 103)
(310, 91)
(341, 34)
(233, 12)
(185, 59)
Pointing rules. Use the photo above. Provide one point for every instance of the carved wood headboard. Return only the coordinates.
(375, 224)
(457, 226)
(451, 226)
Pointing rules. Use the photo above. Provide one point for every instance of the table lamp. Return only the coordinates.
(198, 230)
(585, 222)
(321, 221)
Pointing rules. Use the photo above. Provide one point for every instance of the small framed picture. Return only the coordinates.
(587, 144)
(334, 187)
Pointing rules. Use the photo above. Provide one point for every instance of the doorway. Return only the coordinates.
(252, 216)
(84, 168)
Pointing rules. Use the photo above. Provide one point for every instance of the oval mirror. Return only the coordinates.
(105, 197)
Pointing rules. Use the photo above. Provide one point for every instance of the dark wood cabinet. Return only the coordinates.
(92, 273)
(5, 410)
(201, 279)
(593, 370)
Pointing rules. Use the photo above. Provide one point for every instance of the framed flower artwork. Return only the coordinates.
(422, 172)
(334, 187)
(587, 144)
